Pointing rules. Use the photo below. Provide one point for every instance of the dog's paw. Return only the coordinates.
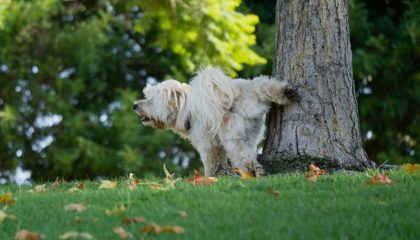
(292, 93)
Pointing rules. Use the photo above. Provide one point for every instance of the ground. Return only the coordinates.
(337, 206)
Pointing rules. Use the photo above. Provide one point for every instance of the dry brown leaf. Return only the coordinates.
(129, 220)
(55, 184)
(81, 186)
(132, 181)
(77, 188)
(154, 228)
(78, 220)
(4, 216)
(73, 190)
(411, 168)
(201, 180)
(7, 198)
(77, 207)
(118, 210)
(274, 192)
(182, 213)
(380, 179)
(73, 235)
(244, 175)
(27, 235)
(106, 184)
(122, 233)
(314, 173)
(38, 189)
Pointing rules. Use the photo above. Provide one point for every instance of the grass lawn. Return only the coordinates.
(338, 206)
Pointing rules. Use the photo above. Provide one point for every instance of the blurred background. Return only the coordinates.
(70, 70)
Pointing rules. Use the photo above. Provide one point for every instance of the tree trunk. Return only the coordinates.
(313, 52)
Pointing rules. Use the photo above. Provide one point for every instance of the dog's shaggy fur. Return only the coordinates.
(223, 118)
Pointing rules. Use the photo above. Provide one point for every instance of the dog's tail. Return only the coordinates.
(211, 95)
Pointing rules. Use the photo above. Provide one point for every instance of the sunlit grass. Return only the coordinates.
(339, 206)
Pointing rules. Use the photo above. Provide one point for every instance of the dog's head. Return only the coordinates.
(162, 104)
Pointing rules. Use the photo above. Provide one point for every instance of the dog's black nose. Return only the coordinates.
(134, 106)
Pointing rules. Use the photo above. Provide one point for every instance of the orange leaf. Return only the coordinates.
(133, 220)
(81, 186)
(411, 168)
(314, 173)
(154, 228)
(122, 233)
(201, 180)
(274, 192)
(244, 175)
(380, 179)
(27, 235)
(7, 199)
(77, 207)
(132, 181)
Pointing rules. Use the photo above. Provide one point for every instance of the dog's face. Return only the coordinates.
(162, 103)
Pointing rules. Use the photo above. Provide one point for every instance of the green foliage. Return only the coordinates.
(386, 58)
(70, 71)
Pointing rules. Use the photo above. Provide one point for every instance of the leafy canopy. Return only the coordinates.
(70, 71)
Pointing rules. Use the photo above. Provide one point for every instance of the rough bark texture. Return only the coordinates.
(313, 52)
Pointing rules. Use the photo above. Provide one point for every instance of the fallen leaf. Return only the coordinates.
(106, 184)
(78, 188)
(73, 235)
(274, 192)
(244, 175)
(73, 190)
(118, 210)
(198, 179)
(132, 181)
(27, 235)
(314, 173)
(380, 179)
(122, 233)
(39, 189)
(76, 207)
(411, 168)
(154, 228)
(7, 198)
(4, 216)
(167, 174)
(129, 220)
(55, 184)
(182, 213)
(78, 220)
(81, 186)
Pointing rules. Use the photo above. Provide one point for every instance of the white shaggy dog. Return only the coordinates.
(223, 118)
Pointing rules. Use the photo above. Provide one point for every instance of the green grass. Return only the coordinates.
(339, 206)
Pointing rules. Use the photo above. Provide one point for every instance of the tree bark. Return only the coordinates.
(313, 52)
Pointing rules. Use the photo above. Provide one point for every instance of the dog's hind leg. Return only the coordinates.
(272, 90)
(236, 140)
(213, 158)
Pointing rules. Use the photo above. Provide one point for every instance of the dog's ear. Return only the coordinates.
(176, 98)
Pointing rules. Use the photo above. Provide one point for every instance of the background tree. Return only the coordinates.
(313, 52)
(70, 70)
